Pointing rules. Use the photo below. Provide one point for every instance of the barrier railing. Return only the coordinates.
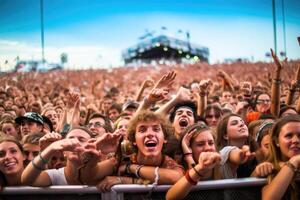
(245, 188)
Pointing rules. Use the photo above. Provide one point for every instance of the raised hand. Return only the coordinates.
(148, 83)
(166, 81)
(91, 155)
(73, 98)
(183, 94)
(186, 140)
(47, 139)
(68, 144)
(107, 143)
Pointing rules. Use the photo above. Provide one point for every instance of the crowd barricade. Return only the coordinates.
(242, 188)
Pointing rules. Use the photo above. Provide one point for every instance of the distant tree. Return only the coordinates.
(63, 58)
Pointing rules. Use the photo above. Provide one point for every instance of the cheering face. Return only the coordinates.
(203, 142)
(289, 140)
(11, 158)
(149, 138)
(263, 103)
(183, 118)
(236, 128)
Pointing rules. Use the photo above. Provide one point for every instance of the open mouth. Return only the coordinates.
(9, 164)
(151, 144)
(183, 122)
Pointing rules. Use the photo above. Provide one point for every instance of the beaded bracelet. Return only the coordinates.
(156, 177)
(292, 167)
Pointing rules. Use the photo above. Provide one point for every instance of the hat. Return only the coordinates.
(130, 104)
(48, 122)
(32, 116)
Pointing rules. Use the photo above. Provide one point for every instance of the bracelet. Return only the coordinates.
(292, 167)
(276, 81)
(193, 165)
(45, 161)
(35, 166)
(137, 171)
(187, 154)
(156, 176)
(189, 179)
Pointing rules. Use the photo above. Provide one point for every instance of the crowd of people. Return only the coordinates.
(162, 125)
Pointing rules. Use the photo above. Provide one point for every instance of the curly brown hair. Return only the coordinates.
(148, 116)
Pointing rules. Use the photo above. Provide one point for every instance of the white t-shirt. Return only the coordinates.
(57, 176)
(226, 169)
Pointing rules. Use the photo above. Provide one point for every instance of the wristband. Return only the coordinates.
(45, 161)
(35, 166)
(189, 179)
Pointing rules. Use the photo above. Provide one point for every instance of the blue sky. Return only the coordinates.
(94, 32)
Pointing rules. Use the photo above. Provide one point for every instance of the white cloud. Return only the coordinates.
(78, 56)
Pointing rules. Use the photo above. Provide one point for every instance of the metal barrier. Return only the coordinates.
(243, 188)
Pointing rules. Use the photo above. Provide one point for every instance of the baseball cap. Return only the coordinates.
(32, 116)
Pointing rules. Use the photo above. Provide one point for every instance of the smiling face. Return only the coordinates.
(149, 138)
(183, 118)
(11, 158)
(236, 129)
(289, 140)
(203, 142)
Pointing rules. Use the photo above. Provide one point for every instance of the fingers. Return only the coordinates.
(264, 169)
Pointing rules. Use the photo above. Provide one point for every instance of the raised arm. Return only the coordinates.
(275, 88)
(159, 91)
(294, 85)
(182, 95)
(203, 85)
(146, 84)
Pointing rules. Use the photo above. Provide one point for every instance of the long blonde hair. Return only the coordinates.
(275, 153)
